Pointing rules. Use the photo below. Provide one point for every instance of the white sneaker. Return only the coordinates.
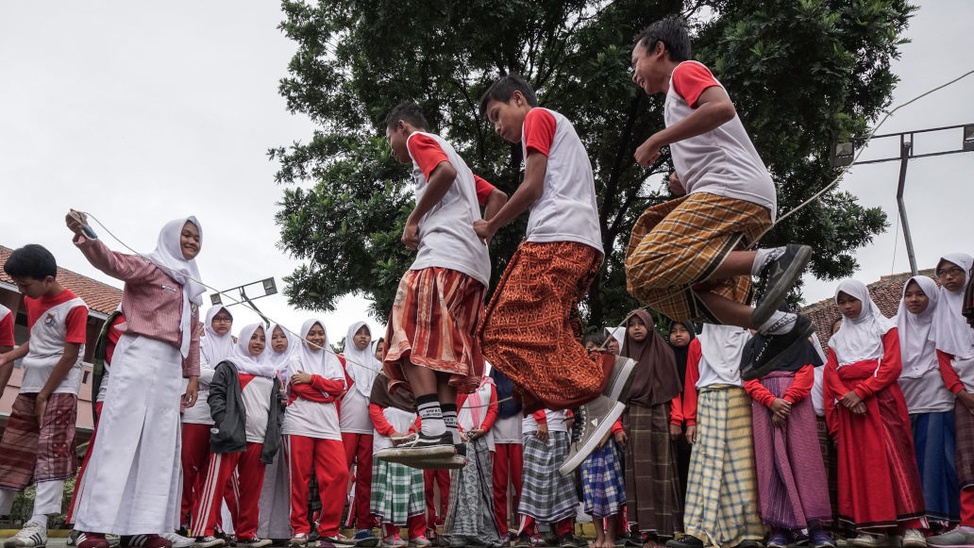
(913, 538)
(299, 539)
(32, 535)
(866, 540)
(177, 540)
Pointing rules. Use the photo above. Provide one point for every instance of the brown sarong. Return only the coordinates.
(676, 246)
(30, 453)
(434, 324)
(653, 492)
(529, 330)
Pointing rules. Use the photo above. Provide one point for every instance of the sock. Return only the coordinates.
(450, 420)
(40, 518)
(430, 416)
(763, 256)
(778, 324)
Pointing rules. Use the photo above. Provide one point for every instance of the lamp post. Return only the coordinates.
(843, 154)
(268, 286)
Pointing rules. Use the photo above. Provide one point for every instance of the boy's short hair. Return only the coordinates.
(503, 89)
(673, 33)
(407, 111)
(31, 261)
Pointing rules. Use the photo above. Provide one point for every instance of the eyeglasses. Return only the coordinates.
(222, 319)
(953, 271)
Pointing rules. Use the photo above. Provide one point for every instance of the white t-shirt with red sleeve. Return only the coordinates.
(6, 327)
(52, 322)
(446, 235)
(567, 210)
(722, 161)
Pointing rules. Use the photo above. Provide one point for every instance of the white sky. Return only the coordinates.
(142, 112)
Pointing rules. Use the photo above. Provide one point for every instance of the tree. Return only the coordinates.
(802, 74)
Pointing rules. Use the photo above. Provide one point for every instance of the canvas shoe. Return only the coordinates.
(299, 539)
(393, 541)
(32, 535)
(419, 449)
(620, 379)
(91, 540)
(777, 278)
(780, 539)
(960, 537)
(208, 542)
(144, 541)
(868, 540)
(913, 538)
(364, 538)
(178, 541)
(821, 539)
(776, 349)
(599, 416)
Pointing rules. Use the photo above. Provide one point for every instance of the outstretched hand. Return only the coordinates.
(76, 222)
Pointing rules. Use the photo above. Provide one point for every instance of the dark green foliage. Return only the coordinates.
(801, 73)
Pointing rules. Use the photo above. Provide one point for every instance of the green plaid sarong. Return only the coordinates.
(398, 492)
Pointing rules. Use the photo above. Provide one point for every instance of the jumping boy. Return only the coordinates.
(529, 329)
(685, 258)
(432, 335)
(38, 443)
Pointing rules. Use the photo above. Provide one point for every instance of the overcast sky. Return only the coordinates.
(142, 112)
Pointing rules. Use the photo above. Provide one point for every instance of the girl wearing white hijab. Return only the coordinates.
(955, 350)
(245, 402)
(717, 412)
(131, 486)
(275, 496)
(215, 346)
(930, 404)
(362, 368)
(879, 486)
(312, 438)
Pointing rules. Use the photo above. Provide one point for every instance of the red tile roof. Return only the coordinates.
(886, 293)
(99, 296)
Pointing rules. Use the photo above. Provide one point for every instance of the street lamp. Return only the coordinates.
(268, 286)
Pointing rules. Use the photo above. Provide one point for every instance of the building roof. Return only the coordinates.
(886, 293)
(100, 297)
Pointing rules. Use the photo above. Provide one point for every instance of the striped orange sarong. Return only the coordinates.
(531, 329)
(434, 324)
(676, 246)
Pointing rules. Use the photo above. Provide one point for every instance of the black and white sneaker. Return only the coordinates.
(777, 278)
(32, 535)
(599, 416)
(419, 449)
(620, 380)
(776, 349)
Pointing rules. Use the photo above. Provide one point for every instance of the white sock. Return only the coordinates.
(763, 256)
(40, 518)
(431, 419)
(778, 324)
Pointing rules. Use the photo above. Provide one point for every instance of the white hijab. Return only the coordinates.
(917, 344)
(860, 338)
(953, 334)
(723, 345)
(361, 365)
(313, 360)
(215, 347)
(280, 360)
(244, 360)
(168, 256)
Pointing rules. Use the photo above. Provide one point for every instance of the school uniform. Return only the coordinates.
(6, 327)
(508, 452)
(312, 437)
(245, 403)
(31, 453)
(275, 494)
(356, 426)
(131, 485)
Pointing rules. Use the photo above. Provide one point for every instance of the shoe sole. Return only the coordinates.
(455, 462)
(619, 383)
(769, 366)
(414, 454)
(776, 295)
(574, 461)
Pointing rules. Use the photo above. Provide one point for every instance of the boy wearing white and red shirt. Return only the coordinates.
(38, 442)
(686, 257)
(6, 330)
(433, 348)
(532, 315)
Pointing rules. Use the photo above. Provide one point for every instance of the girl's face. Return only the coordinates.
(849, 306)
(679, 336)
(257, 342)
(637, 329)
(380, 350)
(222, 322)
(915, 299)
(613, 346)
(279, 340)
(189, 241)
(951, 276)
(362, 337)
(591, 346)
(316, 336)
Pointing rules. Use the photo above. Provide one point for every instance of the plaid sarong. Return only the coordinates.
(531, 327)
(30, 453)
(470, 519)
(676, 246)
(722, 497)
(653, 490)
(603, 483)
(934, 442)
(546, 495)
(434, 324)
(398, 492)
(789, 462)
(964, 424)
